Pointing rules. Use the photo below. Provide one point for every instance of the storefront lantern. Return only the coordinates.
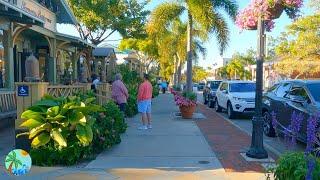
(32, 69)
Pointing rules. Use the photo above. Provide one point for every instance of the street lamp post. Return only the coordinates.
(257, 150)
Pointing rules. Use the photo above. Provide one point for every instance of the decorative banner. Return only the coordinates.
(18, 162)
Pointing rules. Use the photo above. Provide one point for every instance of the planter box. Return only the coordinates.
(187, 111)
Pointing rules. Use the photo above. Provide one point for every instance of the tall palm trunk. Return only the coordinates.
(175, 74)
(179, 71)
(189, 55)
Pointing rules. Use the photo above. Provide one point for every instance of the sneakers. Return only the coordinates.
(143, 128)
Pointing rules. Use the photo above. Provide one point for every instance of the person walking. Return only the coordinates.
(120, 93)
(164, 86)
(95, 82)
(144, 103)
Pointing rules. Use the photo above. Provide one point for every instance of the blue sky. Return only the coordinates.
(239, 41)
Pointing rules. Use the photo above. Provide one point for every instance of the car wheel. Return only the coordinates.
(268, 129)
(216, 106)
(231, 113)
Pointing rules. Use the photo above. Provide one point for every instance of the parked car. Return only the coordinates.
(284, 98)
(201, 86)
(209, 93)
(236, 97)
(195, 87)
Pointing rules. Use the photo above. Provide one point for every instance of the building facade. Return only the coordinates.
(30, 27)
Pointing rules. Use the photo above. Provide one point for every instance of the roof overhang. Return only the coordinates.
(16, 14)
(65, 16)
(75, 41)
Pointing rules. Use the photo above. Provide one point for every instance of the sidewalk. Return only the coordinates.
(173, 149)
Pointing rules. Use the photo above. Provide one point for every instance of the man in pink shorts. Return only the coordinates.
(144, 103)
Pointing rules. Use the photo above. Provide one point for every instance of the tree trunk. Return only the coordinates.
(175, 74)
(179, 71)
(189, 55)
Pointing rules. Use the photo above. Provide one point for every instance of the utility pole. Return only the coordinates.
(257, 150)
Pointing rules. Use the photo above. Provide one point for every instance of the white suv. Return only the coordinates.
(235, 97)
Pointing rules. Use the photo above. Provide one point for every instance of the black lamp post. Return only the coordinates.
(257, 150)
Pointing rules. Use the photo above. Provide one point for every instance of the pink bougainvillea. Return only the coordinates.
(182, 101)
(248, 18)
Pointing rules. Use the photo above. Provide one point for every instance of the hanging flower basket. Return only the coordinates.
(275, 11)
(187, 111)
(251, 27)
(268, 10)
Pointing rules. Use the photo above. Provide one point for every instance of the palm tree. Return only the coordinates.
(203, 19)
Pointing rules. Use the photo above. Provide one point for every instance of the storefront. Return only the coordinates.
(29, 27)
(104, 63)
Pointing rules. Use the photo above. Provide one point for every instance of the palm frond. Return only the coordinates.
(229, 6)
(163, 16)
(220, 28)
(200, 48)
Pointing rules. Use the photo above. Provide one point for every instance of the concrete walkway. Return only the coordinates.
(173, 149)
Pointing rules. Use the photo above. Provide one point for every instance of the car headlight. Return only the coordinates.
(238, 99)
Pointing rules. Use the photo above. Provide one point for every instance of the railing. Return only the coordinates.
(65, 91)
(8, 104)
(103, 93)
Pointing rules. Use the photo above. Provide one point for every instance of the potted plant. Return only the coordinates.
(187, 103)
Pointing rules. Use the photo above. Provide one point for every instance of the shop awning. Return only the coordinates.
(16, 14)
(75, 41)
(65, 15)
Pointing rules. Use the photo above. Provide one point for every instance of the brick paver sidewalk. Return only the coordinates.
(227, 141)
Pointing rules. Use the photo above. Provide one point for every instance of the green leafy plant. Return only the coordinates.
(58, 119)
(294, 166)
(190, 95)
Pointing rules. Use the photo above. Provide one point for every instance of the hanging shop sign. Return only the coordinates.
(39, 11)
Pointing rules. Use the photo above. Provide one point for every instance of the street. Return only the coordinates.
(276, 145)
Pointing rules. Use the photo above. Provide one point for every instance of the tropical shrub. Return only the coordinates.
(132, 106)
(106, 124)
(59, 119)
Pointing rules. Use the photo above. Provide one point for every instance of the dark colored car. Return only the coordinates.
(209, 93)
(300, 96)
(201, 86)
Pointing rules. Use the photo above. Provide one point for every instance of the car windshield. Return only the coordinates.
(314, 90)
(215, 84)
(242, 87)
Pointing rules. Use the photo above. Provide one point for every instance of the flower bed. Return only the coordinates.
(268, 10)
(299, 165)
